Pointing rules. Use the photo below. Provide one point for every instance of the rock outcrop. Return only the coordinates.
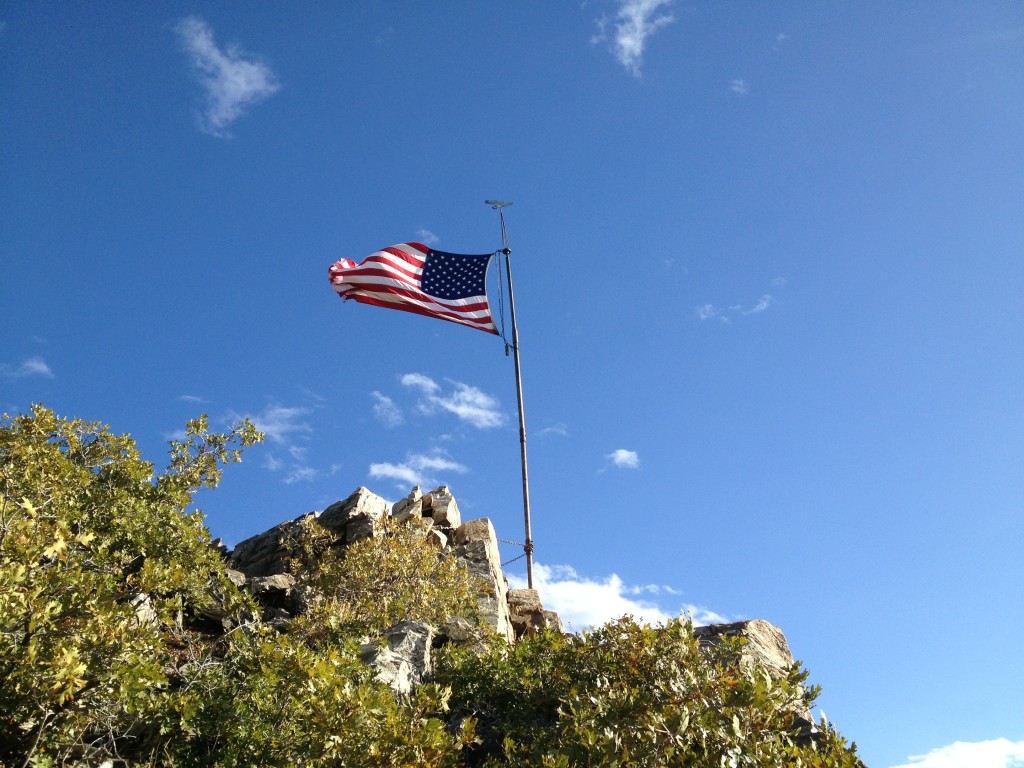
(262, 559)
(402, 655)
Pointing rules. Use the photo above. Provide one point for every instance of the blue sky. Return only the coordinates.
(769, 285)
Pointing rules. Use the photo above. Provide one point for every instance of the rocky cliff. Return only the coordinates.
(402, 656)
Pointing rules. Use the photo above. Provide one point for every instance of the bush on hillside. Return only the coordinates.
(106, 571)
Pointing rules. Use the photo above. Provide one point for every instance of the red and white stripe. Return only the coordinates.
(391, 278)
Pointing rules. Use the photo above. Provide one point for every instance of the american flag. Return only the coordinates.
(415, 278)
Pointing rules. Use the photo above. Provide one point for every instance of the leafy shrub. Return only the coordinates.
(99, 557)
(102, 562)
(631, 695)
(376, 582)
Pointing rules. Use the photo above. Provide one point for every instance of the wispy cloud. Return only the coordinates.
(30, 366)
(195, 400)
(285, 428)
(232, 79)
(634, 22)
(724, 314)
(739, 87)
(470, 404)
(280, 423)
(427, 237)
(418, 381)
(585, 602)
(417, 469)
(762, 304)
(997, 753)
(387, 413)
(558, 430)
(624, 459)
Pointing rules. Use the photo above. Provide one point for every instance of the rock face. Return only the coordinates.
(476, 545)
(402, 656)
(260, 561)
(766, 645)
(527, 614)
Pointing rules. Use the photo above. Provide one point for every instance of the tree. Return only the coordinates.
(378, 581)
(626, 694)
(99, 559)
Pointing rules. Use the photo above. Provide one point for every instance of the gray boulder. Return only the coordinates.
(440, 506)
(357, 517)
(476, 546)
(401, 658)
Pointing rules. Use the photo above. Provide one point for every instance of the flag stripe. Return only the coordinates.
(393, 278)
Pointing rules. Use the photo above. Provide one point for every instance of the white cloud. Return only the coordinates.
(300, 473)
(472, 405)
(739, 87)
(387, 413)
(192, 399)
(468, 403)
(31, 366)
(427, 237)
(581, 602)
(624, 459)
(635, 22)
(232, 79)
(284, 427)
(709, 311)
(765, 301)
(279, 423)
(417, 469)
(997, 753)
(421, 382)
(559, 429)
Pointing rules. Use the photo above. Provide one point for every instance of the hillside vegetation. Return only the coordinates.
(109, 651)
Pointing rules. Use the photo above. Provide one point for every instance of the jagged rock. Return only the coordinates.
(278, 593)
(476, 545)
(356, 517)
(280, 583)
(236, 577)
(219, 545)
(440, 506)
(410, 506)
(528, 615)
(463, 632)
(766, 645)
(438, 539)
(525, 611)
(265, 553)
(351, 519)
(145, 615)
(554, 621)
(402, 657)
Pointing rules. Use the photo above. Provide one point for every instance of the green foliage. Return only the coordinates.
(274, 701)
(632, 695)
(96, 555)
(102, 562)
(376, 582)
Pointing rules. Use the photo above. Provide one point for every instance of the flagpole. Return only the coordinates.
(528, 545)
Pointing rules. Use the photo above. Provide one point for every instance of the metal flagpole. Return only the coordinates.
(528, 545)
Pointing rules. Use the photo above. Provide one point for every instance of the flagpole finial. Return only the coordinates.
(497, 204)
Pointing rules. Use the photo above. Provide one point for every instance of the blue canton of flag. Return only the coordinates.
(451, 276)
